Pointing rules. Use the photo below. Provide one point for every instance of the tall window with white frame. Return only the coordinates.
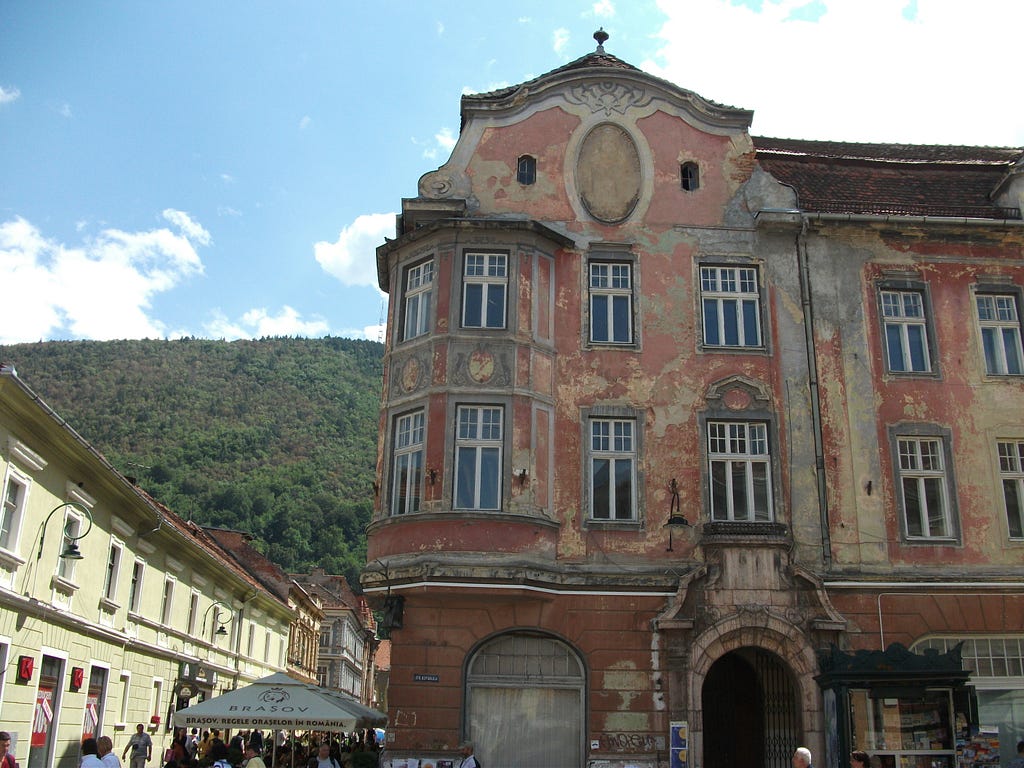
(419, 284)
(1000, 334)
(740, 471)
(15, 494)
(613, 460)
(906, 332)
(484, 290)
(611, 302)
(730, 306)
(135, 590)
(167, 601)
(408, 463)
(193, 612)
(923, 484)
(478, 452)
(110, 579)
(1011, 472)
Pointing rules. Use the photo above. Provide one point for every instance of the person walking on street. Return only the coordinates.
(106, 752)
(6, 758)
(802, 758)
(141, 746)
(468, 758)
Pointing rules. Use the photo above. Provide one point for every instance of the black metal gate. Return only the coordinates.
(750, 713)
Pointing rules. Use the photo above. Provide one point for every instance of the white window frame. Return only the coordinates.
(488, 273)
(1011, 476)
(921, 461)
(613, 443)
(739, 451)
(158, 694)
(905, 312)
(610, 283)
(167, 601)
(474, 439)
(135, 590)
(250, 640)
(999, 323)
(730, 289)
(5, 652)
(126, 688)
(112, 574)
(407, 462)
(12, 514)
(418, 299)
(193, 611)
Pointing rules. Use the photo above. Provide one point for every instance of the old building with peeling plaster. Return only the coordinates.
(699, 446)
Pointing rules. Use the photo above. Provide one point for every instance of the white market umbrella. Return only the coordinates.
(280, 702)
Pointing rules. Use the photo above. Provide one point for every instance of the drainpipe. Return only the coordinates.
(812, 374)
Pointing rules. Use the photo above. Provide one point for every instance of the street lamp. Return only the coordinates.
(676, 519)
(71, 547)
(218, 618)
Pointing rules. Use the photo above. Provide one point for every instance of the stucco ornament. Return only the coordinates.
(608, 173)
(608, 97)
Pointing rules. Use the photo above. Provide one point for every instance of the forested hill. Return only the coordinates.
(275, 437)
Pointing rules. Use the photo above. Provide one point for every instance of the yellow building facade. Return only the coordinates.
(153, 617)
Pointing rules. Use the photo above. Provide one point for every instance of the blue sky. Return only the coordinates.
(226, 169)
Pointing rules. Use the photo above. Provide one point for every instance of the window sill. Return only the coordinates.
(936, 541)
(741, 528)
(612, 525)
(733, 349)
(10, 560)
(108, 605)
(62, 585)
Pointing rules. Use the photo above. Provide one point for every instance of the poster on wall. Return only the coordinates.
(679, 743)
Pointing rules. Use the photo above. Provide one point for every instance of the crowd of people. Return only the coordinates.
(251, 749)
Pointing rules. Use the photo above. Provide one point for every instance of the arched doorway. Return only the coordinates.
(524, 702)
(750, 712)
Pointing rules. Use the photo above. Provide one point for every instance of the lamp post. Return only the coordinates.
(218, 618)
(71, 548)
(676, 519)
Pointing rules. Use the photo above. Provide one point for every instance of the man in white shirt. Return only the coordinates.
(468, 760)
(106, 752)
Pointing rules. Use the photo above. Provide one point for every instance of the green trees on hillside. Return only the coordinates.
(275, 437)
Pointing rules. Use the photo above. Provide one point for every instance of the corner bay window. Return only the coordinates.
(612, 469)
(478, 451)
(730, 306)
(740, 471)
(484, 287)
(611, 302)
(419, 281)
(408, 464)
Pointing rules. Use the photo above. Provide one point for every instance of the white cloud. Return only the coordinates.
(99, 289)
(865, 70)
(64, 110)
(258, 322)
(305, 122)
(604, 9)
(227, 210)
(560, 40)
(353, 257)
(439, 26)
(446, 139)
(191, 229)
(8, 94)
(227, 178)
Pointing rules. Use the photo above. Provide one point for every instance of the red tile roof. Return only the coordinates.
(896, 179)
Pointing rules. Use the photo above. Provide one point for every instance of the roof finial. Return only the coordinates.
(600, 36)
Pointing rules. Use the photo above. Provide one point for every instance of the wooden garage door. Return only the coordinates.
(524, 698)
